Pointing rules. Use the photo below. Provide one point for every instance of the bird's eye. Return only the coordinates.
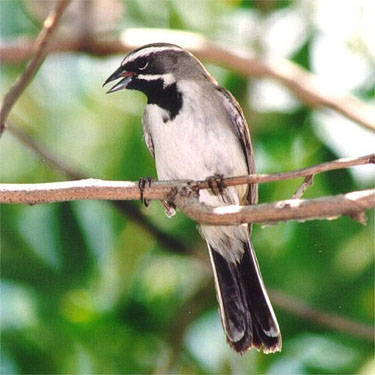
(142, 64)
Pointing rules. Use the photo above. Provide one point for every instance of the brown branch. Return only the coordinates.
(87, 189)
(291, 209)
(332, 321)
(286, 210)
(299, 81)
(112, 190)
(39, 51)
(353, 204)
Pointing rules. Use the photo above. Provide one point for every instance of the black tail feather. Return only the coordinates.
(246, 313)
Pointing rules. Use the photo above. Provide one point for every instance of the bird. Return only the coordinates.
(196, 129)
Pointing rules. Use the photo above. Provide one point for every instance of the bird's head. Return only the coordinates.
(156, 67)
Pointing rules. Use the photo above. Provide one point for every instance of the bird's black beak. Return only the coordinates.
(120, 72)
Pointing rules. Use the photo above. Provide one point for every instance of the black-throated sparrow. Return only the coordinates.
(196, 129)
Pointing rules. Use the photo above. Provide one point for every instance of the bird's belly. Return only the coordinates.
(189, 147)
(196, 146)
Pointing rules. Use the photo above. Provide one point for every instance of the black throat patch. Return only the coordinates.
(168, 97)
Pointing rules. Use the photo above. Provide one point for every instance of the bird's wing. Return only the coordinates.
(149, 142)
(241, 129)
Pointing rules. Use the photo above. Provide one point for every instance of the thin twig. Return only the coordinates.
(299, 81)
(307, 182)
(303, 172)
(39, 50)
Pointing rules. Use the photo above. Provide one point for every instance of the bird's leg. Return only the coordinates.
(143, 181)
(169, 207)
(216, 183)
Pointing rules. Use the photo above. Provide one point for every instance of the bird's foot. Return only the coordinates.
(143, 181)
(169, 207)
(216, 183)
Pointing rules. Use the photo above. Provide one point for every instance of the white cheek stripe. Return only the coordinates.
(167, 78)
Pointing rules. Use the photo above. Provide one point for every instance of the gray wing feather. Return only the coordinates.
(240, 127)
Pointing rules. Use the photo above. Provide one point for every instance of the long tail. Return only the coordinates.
(246, 312)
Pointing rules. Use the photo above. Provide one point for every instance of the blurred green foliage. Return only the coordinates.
(85, 289)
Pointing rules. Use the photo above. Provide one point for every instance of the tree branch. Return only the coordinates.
(301, 83)
(164, 190)
(286, 210)
(39, 51)
(184, 194)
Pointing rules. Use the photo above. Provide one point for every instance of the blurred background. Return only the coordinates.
(96, 288)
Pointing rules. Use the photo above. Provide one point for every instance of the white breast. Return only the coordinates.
(198, 142)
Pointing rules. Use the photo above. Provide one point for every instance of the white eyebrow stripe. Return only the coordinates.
(168, 78)
(148, 51)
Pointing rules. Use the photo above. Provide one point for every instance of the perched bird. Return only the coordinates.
(196, 129)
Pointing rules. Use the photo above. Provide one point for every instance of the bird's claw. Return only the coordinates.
(169, 207)
(143, 181)
(216, 183)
